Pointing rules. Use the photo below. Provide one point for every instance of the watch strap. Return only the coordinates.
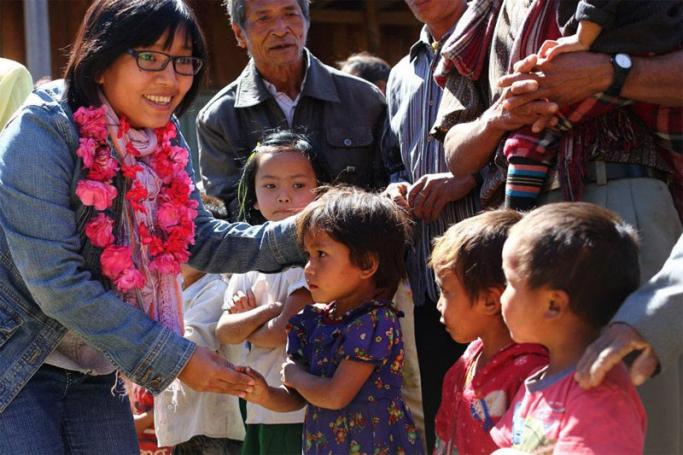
(619, 78)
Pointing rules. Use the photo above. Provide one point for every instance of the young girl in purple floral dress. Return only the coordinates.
(345, 354)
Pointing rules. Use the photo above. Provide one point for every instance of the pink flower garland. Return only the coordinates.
(173, 231)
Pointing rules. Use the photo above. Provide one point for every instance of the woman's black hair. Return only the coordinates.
(111, 27)
(274, 141)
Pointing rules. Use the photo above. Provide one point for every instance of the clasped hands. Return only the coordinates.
(537, 88)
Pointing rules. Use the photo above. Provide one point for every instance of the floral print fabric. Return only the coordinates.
(377, 420)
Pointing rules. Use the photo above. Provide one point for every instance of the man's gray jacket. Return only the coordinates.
(342, 115)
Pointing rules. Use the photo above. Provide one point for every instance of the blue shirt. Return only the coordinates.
(413, 100)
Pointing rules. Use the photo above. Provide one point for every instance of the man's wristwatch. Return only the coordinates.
(622, 65)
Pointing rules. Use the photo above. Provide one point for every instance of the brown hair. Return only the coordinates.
(472, 249)
(582, 249)
(368, 224)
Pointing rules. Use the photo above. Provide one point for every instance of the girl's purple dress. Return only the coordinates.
(377, 420)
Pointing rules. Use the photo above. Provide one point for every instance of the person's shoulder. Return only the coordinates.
(350, 83)
(47, 106)
(221, 101)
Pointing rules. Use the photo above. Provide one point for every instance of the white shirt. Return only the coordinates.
(180, 412)
(272, 287)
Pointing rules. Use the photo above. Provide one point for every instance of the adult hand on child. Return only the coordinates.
(207, 371)
(397, 192)
(615, 343)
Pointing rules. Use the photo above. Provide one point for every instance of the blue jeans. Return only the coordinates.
(66, 412)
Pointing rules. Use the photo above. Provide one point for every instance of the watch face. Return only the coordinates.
(623, 60)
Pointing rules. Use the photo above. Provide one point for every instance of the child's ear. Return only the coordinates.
(489, 300)
(557, 303)
(370, 266)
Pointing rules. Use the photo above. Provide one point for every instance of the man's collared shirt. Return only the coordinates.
(342, 115)
(412, 103)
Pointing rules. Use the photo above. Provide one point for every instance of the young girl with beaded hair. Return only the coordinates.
(97, 213)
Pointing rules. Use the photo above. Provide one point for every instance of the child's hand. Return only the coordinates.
(241, 302)
(289, 371)
(552, 48)
(260, 389)
(142, 422)
(582, 40)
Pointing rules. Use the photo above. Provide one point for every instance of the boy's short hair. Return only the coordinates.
(368, 224)
(583, 249)
(472, 249)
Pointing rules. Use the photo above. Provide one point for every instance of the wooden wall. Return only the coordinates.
(334, 34)
(12, 30)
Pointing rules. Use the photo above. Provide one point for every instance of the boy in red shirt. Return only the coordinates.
(479, 387)
(569, 266)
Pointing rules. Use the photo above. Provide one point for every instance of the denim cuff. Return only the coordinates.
(164, 361)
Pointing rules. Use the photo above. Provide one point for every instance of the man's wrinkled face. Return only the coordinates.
(274, 32)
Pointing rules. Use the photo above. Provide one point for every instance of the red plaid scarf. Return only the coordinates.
(465, 50)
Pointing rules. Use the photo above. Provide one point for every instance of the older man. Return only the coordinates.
(425, 186)
(285, 86)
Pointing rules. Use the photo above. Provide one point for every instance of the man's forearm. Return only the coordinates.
(656, 80)
(468, 146)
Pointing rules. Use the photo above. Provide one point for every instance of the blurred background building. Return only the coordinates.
(38, 33)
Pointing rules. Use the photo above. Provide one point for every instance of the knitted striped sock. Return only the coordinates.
(525, 181)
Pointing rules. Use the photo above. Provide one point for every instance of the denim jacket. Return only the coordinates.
(49, 275)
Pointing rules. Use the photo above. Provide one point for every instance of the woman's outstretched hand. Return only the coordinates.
(206, 371)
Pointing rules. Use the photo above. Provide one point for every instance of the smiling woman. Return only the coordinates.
(97, 212)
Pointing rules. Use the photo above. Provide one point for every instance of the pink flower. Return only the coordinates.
(105, 167)
(168, 215)
(180, 158)
(131, 278)
(86, 150)
(130, 171)
(99, 231)
(136, 195)
(92, 122)
(97, 194)
(124, 126)
(163, 166)
(115, 260)
(165, 263)
(166, 133)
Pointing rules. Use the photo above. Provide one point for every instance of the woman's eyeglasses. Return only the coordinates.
(158, 61)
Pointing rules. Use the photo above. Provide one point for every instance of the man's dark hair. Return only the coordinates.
(368, 224)
(366, 66)
(582, 249)
(238, 14)
(112, 27)
(472, 250)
